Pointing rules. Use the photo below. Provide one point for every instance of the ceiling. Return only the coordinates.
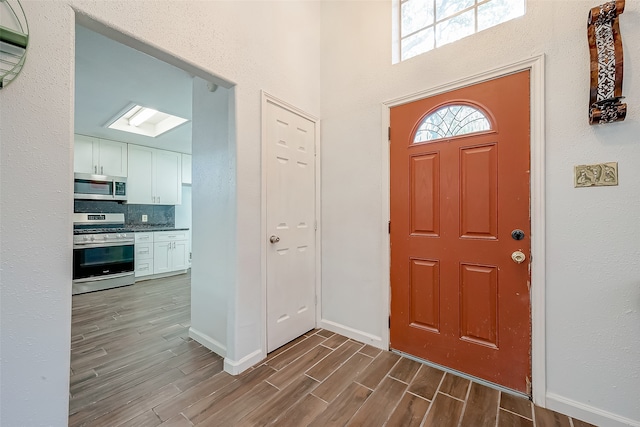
(110, 76)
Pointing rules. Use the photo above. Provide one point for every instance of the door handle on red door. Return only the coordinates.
(274, 239)
(518, 257)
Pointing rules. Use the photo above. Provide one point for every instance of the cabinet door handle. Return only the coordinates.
(158, 199)
(95, 169)
(101, 170)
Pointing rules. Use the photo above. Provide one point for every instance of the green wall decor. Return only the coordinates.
(14, 39)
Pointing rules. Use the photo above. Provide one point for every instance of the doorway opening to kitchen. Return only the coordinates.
(164, 183)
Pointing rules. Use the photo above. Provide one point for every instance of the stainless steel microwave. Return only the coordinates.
(99, 187)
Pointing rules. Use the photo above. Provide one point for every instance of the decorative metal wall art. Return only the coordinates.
(599, 174)
(14, 38)
(605, 47)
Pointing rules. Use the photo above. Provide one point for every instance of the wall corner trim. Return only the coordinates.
(235, 367)
(354, 334)
(588, 413)
(208, 342)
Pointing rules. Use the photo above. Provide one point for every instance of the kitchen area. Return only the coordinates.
(123, 234)
(132, 166)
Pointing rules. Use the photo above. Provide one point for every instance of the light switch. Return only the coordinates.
(145, 218)
(596, 175)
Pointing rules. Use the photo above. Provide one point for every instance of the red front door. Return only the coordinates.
(459, 221)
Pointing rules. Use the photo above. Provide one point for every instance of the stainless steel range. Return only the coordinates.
(103, 254)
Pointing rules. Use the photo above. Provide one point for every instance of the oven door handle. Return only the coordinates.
(103, 244)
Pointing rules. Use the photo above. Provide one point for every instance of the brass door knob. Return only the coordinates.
(518, 257)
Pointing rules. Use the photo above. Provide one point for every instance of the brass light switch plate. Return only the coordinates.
(596, 175)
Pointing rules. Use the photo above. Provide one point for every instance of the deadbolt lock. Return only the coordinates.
(517, 234)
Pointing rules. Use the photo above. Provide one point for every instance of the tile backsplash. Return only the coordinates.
(158, 215)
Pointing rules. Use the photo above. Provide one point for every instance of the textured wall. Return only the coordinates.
(36, 203)
(593, 274)
(248, 43)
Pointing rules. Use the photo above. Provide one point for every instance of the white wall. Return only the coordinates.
(248, 43)
(593, 273)
(213, 177)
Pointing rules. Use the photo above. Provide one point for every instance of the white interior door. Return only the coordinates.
(290, 225)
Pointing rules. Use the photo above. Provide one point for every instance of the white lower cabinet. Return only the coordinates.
(180, 255)
(161, 252)
(170, 251)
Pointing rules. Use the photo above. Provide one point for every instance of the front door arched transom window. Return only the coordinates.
(451, 120)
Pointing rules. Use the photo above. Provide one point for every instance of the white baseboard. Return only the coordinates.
(588, 413)
(235, 367)
(353, 334)
(204, 339)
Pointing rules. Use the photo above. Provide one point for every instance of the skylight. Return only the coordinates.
(145, 121)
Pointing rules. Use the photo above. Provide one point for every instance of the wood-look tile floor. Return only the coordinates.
(132, 364)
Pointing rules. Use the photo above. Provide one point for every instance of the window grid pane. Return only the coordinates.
(417, 43)
(415, 15)
(446, 21)
(455, 28)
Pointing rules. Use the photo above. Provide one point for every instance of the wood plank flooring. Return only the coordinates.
(133, 364)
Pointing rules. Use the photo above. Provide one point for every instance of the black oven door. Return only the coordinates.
(102, 260)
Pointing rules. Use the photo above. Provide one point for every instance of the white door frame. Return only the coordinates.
(537, 205)
(268, 98)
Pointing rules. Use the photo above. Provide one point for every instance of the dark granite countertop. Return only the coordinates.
(151, 228)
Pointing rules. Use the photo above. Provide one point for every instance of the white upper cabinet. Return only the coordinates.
(99, 156)
(168, 165)
(140, 179)
(154, 176)
(186, 168)
(83, 154)
(112, 158)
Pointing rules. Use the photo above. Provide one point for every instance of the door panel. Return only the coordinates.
(425, 286)
(478, 192)
(478, 304)
(290, 220)
(457, 298)
(425, 194)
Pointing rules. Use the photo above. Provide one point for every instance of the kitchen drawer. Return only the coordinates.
(144, 251)
(144, 267)
(144, 237)
(170, 236)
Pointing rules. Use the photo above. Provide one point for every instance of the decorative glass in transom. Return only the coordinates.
(452, 120)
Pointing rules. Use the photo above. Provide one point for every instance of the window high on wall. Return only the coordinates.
(422, 25)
